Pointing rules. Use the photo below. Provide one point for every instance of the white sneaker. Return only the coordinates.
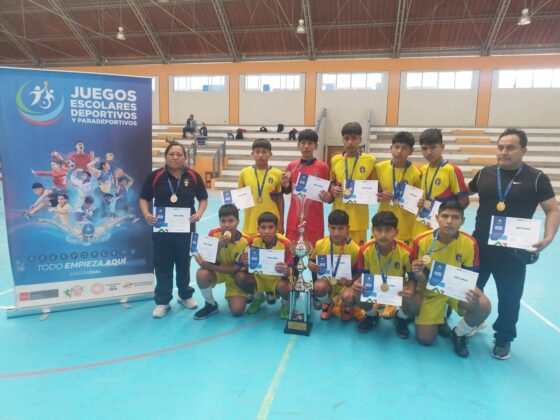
(477, 329)
(189, 303)
(160, 311)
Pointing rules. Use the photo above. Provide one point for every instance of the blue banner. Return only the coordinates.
(75, 151)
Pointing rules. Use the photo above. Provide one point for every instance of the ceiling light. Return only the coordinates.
(300, 28)
(120, 34)
(524, 19)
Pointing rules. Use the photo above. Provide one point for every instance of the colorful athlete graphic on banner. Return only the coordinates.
(72, 146)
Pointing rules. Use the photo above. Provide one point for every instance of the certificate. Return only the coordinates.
(172, 220)
(372, 292)
(428, 216)
(205, 246)
(451, 281)
(241, 198)
(512, 232)
(263, 261)
(409, 199)
(344, 268)
(360, 192)
(310, 186)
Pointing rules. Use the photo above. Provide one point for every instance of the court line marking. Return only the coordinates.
(5, 292)
(135, 357)
(208, 217)
(271, 392)
(541, 316)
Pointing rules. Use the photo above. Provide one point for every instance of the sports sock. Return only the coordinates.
(208, 295)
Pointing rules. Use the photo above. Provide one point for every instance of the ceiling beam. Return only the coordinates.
(226, 28)
(147, 26)
(495, 27)
(403, 8)
(20, 42)
(84, 41)
(309, 29)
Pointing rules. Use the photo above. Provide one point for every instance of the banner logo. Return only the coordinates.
(39, 105)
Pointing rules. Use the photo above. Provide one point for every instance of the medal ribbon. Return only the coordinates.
(432, 250)
(174, 192)
(384, 273)
(429, 192)
(260, 185)
(408, 163)
(333, 267)
(349, 178)
(502, 197)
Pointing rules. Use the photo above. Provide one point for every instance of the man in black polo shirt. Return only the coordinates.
(512, 189)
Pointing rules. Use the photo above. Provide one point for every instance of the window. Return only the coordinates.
(524, 79)
(354, 81)
(439, 80)
(272, 82)
(199, 83)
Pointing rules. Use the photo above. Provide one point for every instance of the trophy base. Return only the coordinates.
(298, 328)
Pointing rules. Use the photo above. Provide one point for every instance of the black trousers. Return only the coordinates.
(171, 250)
(509, 274)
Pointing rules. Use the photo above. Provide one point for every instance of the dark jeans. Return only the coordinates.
(187, 130)
(509, 274)
(172, 250)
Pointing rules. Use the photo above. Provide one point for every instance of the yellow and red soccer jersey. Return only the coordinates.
(399, 257)
(271, 190)
(363, 169)
(384, 174)
(229, 255)
(323, 247)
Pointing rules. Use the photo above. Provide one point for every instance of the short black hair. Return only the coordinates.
(351, 128)
(173, 144)
(79, 141)
(122, 178)
(308, 135)
(63, 195)
(228, 210)
(431, 136)
(107, 195)
(384, 219)
(339, 218)
(404, 137)
(37, 185)
(88, 199)
(263, 144)
(515, 132)
(451, 205)
(267, 217)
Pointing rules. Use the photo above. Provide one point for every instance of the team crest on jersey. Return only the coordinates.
(362, 169)
(186, 182)
(397, 265)
(437, 181)
(270, 180)
(458, 257)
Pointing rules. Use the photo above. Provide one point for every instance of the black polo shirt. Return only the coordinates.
(529, 188)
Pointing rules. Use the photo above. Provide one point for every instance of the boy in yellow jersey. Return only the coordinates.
(385, 255)
(441, 180)
(393, 175)
(350, 166)
(448, 245)
(230, 248)
(257, 284)
(333, 248)
(264, 181)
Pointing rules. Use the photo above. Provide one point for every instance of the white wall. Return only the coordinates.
(438, 107)
(155, 102)
(271, 108)
(350, 105)
(523, 108)
(208, 107)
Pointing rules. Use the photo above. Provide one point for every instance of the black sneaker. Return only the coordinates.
(460, 344)
(270, 298)
(401, 326)
(368, 323)
(501, 349)
(205, 312)
(444, 330)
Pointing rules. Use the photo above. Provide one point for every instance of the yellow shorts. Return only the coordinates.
(336, 290)
(232, 289)
(266, 283)
(433, 307)
(359, 236)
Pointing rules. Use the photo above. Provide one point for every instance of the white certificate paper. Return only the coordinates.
(372, 292)
(263, 261)
(512, 232)
(451, 281)
(428, 216)
(205, 246)
(361, 192)
(241, 198)
(172, 220)
(344, 268)
(410, 198)
(310, 186)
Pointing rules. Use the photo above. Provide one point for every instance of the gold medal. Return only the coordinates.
(396, 202)
(332, 280)
(259, 199)
(173, 198)
(501, 206)
(427, 204)
(426, 259)
(347, 192)
(384, 287)
(227, 234)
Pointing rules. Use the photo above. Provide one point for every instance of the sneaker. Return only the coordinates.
(368, 323)
(249, 300)
(207, 311)
(255, 305)
(389, 312)
(501, 349)
(401, 326)
(346, 314)
(460, 343)
(160, 311)
(189, 303)
(284, 311)
(326, 312)
(270, 298)
(477, 329)
(444, 330)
